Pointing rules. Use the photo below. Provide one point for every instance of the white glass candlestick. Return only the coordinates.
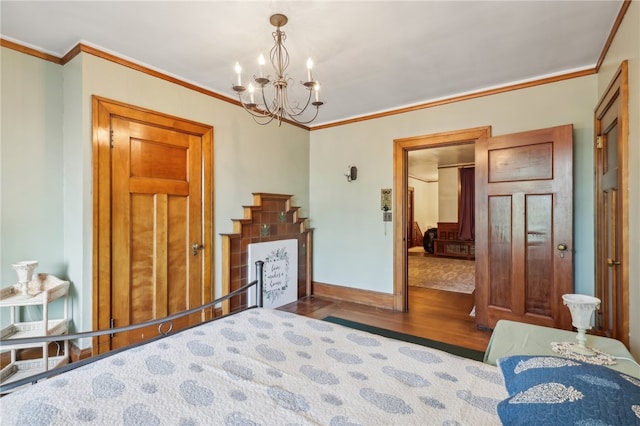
(581, 307)
(24, 269)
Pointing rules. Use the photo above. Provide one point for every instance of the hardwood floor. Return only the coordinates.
(433, 314)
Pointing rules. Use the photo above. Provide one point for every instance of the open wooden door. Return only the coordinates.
(524, 232)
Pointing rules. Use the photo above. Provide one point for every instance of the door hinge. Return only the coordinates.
(599, 142)
(111, 138)
(112, 324)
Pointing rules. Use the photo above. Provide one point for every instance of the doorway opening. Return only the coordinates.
(402, 148)
(441, 202)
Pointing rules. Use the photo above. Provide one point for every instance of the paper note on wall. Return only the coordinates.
(280, 272)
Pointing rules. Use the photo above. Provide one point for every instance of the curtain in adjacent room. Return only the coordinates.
(466, 212)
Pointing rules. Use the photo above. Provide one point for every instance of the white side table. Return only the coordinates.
(51, 288)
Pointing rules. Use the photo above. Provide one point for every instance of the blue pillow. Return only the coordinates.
(552, 390)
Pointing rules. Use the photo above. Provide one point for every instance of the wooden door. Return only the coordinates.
(611, 126)
(524, 239)
(158, 235)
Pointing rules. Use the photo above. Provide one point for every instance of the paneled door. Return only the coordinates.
(612, 240)
(524, 233)
(156, 234)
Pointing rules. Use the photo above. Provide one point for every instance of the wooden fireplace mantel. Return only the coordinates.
(270, 218)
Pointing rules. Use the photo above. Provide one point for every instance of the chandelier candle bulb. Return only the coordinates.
(238, 72)
(317, 90)
(261, 63)
(251, 93)
(309, 66)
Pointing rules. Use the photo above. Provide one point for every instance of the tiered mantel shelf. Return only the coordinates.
(270, 218)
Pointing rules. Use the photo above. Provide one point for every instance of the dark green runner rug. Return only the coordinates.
(452, 349)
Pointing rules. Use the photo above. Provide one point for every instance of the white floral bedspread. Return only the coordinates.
(266, 367)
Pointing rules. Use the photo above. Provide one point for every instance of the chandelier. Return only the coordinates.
(279, 106)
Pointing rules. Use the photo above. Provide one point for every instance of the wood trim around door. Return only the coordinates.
(102, 111)
(617, 91)
(401, 147)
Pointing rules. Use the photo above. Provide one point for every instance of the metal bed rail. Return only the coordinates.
(161, 322)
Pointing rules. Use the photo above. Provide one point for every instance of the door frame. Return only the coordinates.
(618, 89)
(410, 215)
(401, 147)
(102, 111)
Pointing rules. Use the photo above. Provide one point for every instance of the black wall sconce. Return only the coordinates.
(352, 173)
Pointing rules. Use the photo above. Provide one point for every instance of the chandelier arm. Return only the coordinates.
(269, 120)
(259, 116)
(254, 111)
(293, 116)
(270, 116)
(281, 97)
(279, 108)
(308, 121)
(291, 110)
(270, 110)
(286, 112)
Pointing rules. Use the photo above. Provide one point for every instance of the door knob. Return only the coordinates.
(195, 248)
(612, 262)
(562, 248)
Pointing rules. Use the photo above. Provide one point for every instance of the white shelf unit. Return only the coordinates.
(42, 291)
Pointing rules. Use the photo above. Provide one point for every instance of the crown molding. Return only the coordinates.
(465, 97)
(613, 32)
(29, 51)
(84, 48)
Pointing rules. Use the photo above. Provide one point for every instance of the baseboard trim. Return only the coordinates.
(77, 354)
(355, 295)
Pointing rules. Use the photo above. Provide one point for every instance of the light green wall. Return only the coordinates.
(425, 198)
(31, 159)
(626, 45)
(77, 196)
(448, 194)
(247, 158)
(46, 213)
(31, 200)
(353, 247)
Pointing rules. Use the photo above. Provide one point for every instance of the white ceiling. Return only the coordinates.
(423, 164)
(370, 56)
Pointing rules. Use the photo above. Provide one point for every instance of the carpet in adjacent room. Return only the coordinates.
(442, 273)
